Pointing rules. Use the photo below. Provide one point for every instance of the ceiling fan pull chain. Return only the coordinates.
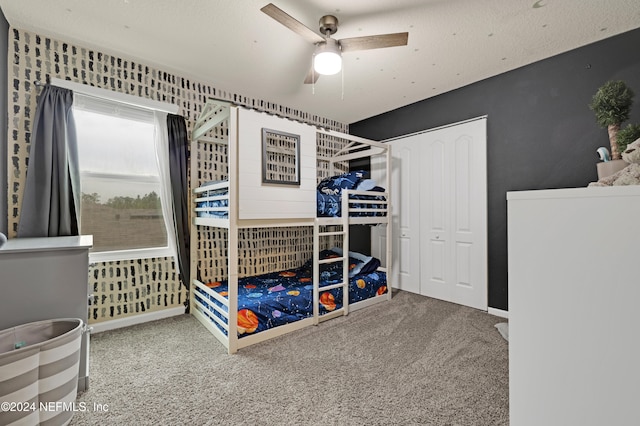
(342, 75)
(313, 76)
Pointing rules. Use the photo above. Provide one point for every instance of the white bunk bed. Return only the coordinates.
(242, 201)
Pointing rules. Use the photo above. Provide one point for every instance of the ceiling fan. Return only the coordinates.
(327, 58)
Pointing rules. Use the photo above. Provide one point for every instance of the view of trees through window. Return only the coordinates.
(119, 178)
(123, 222)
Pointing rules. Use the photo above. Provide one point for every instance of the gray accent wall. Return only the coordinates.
(541, 133)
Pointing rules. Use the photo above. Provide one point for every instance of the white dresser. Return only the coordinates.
(46, 278)
(574, 306)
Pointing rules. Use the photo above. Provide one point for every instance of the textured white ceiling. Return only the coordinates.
(233, 46)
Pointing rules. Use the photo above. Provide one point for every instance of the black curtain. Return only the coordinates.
(51, 200)
(179, 169)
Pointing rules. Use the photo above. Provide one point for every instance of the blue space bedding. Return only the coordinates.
(329, 194)
(202, 207)
(279, 298)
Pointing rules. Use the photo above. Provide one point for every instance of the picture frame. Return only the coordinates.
(280, 157)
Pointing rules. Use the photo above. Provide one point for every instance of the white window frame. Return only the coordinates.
(126, 254)
(115, 96)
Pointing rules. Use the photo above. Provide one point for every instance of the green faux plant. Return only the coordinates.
(627, 135)
(611, 105)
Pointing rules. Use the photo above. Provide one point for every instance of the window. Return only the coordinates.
(120, 179)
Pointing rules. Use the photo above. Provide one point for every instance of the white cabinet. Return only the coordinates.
(574, 316)
(46, 278)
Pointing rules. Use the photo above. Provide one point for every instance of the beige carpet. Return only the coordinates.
(411, 361)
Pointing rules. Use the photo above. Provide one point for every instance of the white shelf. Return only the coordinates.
(16, 245)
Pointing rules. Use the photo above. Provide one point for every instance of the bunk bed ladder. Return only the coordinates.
(343, 223)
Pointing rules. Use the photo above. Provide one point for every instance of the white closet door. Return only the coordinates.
(439, 205)
(435, 227)
(405, 215)
(453, 208)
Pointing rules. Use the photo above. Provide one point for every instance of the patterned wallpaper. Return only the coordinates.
(126, 288)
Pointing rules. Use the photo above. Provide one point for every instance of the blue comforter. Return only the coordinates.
(330, 205)
(329, 194)
(279, 298)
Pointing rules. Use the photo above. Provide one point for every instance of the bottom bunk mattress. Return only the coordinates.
(274, 299)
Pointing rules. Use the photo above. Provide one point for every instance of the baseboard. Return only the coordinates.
(498, 312)
(135, 319)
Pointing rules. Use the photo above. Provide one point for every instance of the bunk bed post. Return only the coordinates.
(345, 251)
(316, 271)
(389, 241)
(193, 229)
(232, 231)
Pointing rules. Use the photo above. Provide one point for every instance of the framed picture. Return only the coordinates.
(280, 157)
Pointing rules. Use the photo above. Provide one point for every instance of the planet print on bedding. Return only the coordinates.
(247, 321)
(276, 299)
(328, 301)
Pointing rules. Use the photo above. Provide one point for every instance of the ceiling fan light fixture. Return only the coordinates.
(327, 59)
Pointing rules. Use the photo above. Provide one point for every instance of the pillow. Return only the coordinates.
(366, 185)
(370, 266)
(361, 264)
(335, 184)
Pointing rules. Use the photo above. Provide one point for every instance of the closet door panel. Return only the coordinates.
(435, 187)
(463, 258)
(437, 256)
(469, 230)
(435, 247)
(405, 209)
(462, 284)
(462, 192)
(404, 264)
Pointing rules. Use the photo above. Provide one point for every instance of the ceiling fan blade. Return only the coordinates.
(292, 23)
(311, 77)
(374, 41)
